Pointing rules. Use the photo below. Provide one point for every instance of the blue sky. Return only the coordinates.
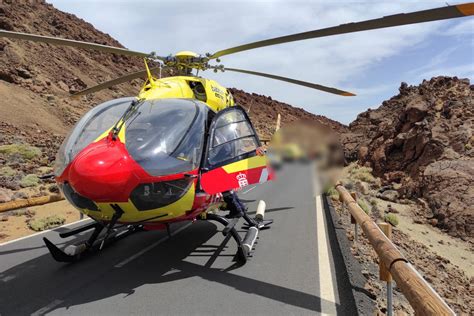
(372, 64)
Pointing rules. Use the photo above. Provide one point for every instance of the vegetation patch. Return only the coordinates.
(44, 170)
(7, 172)
(332, 193)
(30, 180)
(363, 205)
(391, 218)
(23, 150)
(357, 172)
(46, 223)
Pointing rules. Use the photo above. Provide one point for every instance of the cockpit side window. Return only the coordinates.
(231, 137)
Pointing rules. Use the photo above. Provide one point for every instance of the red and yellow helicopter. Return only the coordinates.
(170, 153)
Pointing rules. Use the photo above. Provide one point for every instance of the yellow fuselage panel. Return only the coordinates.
(218, 97)
(132, 214)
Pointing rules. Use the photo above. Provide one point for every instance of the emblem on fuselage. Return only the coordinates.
(242, 179)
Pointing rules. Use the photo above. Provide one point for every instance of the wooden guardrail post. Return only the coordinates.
(384, 273)
(422, 297)
(353, 221)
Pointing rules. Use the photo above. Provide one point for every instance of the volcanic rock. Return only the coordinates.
(389, 195)
(423, 139)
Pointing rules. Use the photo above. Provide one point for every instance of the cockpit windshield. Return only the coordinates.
(166, 136)
(97, 121)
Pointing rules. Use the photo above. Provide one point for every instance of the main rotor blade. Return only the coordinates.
(111, 83)
(72, 43)
(443, 13)
(298, 82)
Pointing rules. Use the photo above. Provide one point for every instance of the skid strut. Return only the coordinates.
(254, 225)
(241, 254)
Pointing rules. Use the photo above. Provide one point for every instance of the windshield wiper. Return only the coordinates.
(128, 112)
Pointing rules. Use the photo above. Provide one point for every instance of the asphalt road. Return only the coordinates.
(293, 271)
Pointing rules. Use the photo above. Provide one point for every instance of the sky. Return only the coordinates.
(371, 64)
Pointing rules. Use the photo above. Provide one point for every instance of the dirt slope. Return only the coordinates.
(422, 140)
(35, 79)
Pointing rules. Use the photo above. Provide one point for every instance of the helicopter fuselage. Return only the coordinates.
(160, 166)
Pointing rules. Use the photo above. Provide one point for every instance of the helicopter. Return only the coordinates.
(171, 153)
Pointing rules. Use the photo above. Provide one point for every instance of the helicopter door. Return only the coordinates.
(231, 160)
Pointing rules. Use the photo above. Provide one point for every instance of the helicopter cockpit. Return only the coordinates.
(164, 136)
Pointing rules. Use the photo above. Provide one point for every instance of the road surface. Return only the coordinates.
(293, 270)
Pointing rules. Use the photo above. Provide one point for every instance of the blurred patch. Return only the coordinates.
(305, 141)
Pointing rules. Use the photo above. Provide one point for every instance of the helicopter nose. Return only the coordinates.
(102, 172)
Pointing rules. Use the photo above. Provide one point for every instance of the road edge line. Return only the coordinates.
(353, 269)
(327, 293)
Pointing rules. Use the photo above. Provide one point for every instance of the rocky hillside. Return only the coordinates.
(36, 79)
(263, 111)
(421, 143)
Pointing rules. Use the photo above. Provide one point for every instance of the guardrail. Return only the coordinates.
(422, 297)
(13, 205)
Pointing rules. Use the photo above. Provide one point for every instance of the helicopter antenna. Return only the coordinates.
(277, 127)
(148, 72)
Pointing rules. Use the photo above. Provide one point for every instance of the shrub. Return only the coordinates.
(30, 180)
(46, 223)
(23, 150)
(374, 202)
(363, 206)
(332, 193)
(392, 219)
(7, 172)
(362, 174)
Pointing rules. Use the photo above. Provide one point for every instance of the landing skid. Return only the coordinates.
(97, 241)
(73, 253)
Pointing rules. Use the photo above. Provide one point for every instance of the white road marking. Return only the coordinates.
(47, 308)
(245, 192)
(43, 232)
(328, 297)
(146, 249)
(327, 289)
